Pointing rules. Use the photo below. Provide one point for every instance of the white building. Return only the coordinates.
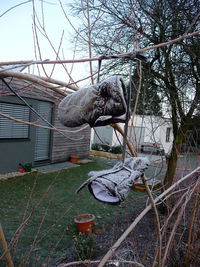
(146, 133)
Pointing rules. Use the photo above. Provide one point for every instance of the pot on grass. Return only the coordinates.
(84, 223)
(74, 159)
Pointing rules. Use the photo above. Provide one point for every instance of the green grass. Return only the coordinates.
(58, 200)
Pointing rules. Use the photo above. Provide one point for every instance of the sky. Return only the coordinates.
(17, 34)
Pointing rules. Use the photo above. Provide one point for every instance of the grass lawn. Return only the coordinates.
(51, 208)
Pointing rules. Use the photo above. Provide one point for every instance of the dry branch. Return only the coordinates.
(5, 247)
(54, 81)
(41, 126)
(141, 215)
(86, 262)
(180, 214)
(123, 55)
(157, 219)
(46, 82)
(119, 129)
(191, 227)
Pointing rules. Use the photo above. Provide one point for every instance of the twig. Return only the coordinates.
(24, 216)
(22, 3)
(136, 101)
(25, 221)
(190, 231)
(157, 218)
(33, 86)
(58, 82)
(166, 223)
(123, 55)
(89, 42)
(78, 33)
(127, 115)
(5, 247)
(117, 127)
(41, 126)
(55, 223)
(36, 35)
(86, 262)
(26, 257)
(33, 78)
(141, 215)
(35, 111)
(176, 223)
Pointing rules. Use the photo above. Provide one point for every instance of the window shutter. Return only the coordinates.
(12, 129)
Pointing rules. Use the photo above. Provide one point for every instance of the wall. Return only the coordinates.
(155, 130)
(15, 151)
(148, 129)
(76, 143)
(103, 134)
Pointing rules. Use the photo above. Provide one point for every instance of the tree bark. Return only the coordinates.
(173, 158)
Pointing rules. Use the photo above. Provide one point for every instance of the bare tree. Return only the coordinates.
(119, 28)
(175, 68)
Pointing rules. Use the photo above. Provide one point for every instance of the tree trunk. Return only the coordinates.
(173, 158)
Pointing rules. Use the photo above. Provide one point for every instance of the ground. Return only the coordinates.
(138, 246)
(63, 242)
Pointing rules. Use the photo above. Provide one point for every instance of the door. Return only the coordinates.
(42, 144)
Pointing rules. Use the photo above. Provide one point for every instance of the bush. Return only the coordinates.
(100, 147)
(28, 167)
(116, 149)
(105, 148)
(96, 147)
(84, 244)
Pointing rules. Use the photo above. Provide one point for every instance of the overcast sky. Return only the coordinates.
(17, 34)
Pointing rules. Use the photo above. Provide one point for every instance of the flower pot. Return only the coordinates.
(84, 223)
(74, 159)
(27, 167)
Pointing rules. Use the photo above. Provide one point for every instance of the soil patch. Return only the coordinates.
(141, 243)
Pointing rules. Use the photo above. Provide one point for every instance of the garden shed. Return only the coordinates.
(24, 143)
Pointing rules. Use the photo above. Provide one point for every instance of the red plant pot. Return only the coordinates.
(84, 223)
(74, 159)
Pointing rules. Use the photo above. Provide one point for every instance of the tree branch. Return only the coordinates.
(123, 55)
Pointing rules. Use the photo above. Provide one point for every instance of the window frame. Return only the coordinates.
(168, 134)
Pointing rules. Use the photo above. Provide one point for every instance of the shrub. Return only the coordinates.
(28, 167)
(116, 149)
(84, 244)
(96, 147)
(105, 148)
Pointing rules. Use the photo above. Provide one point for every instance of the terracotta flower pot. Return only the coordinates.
(74, 159)
(84, 223)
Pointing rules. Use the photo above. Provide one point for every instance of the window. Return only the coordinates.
(168, 134)
(10, 129)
